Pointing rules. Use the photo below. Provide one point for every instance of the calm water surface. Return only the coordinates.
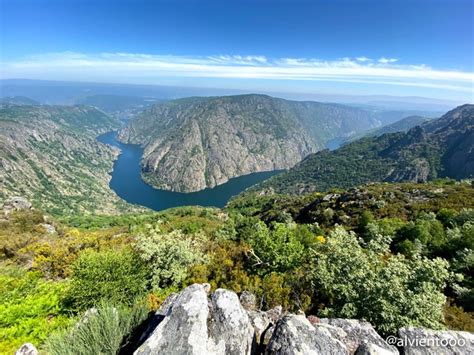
(128, 184)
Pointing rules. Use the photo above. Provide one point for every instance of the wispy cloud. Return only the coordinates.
(362, 69)
(363, 59)
(384, 60)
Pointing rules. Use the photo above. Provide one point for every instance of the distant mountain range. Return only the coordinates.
(194, 143)
(438, 148)
(65, 92)
(17, 100)
(120, 107)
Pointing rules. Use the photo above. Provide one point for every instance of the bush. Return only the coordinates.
(169, 255)
(18, 230)
(101, 331)
(427, 231)
(54, 255)
(277, 249)
(387, 290)
(113, 276)
(30, 308)
(456, 318)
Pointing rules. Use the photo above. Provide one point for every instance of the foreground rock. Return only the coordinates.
(264, 324)
(194, 325)
(194, 322)
(294, 334)
(359, 334)
(420, 341)
(27, 349)
(230, 326)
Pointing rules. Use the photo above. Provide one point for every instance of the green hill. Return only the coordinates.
(439, 148)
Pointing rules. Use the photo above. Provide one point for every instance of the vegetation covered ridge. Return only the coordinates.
(442, 147)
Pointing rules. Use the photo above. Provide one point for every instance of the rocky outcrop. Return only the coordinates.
(230, 328)
(196, 322)
(264, 324)
(359, 336)
(50, 155)
(15, 203)
(193, 324)
(417, 171)
(420, 341)
(27, 349)
(294, 334)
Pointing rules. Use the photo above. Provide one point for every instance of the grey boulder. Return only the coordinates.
(230, 328)
(294, 334)
(15, 204)
(193, 324)
(359, 332)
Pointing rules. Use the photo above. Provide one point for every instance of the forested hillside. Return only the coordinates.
(440, 148)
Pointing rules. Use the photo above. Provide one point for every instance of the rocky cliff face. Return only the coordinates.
(195, 143)
(194, 322)
(50, 155)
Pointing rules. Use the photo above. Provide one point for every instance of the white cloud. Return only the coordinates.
(363, 59)
(384, 60)
(138, 67)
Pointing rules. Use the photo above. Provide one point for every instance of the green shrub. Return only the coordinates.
(426, 230)
(456, 318)
(169, 255)
(30, 308)
(114, 276)
(390, 291)
(103, 330)
(279, 248)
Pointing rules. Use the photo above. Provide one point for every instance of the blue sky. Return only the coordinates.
(402, 47)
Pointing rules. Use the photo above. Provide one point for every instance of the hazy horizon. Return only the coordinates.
(291, 47)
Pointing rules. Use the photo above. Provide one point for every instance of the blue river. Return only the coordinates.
(128, 184)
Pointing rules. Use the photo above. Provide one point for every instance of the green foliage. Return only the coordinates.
(427, 231)
(456, 318)
(169, 255)
(387, 290)
(113, 276)
(30, 308)
(102, 330)
(286, 250)
(19, 230)
(54, 255)
(278, 248)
